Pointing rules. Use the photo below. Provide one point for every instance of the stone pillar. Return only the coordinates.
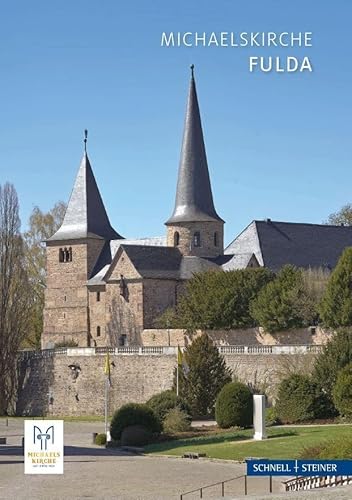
(259, 417)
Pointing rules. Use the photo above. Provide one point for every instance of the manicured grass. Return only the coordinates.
(282, 442)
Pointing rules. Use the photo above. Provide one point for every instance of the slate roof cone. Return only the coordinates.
(85, 215)
(194, 199)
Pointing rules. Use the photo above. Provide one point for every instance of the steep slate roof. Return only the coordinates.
(154, 261)
(85, 215)
(303, 245)
(194, 199)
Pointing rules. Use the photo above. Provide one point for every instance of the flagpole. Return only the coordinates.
(177, 382)
(106, 406)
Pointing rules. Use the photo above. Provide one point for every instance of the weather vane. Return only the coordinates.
(192, 70)
(85, 140)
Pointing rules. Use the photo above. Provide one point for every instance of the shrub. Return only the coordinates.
(342, 391)
(164, 401)
(339, 448)
(234, 406)
(135, 435)
(176, 420)
(66, 343)
(134, 414)
(100, 439)
(299, 399)
(271, 417)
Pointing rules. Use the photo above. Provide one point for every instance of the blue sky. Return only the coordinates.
(278, 144)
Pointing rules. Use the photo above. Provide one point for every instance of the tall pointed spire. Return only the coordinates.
(194, 199)
(85, 215)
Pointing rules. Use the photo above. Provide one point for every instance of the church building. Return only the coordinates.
(103, 289)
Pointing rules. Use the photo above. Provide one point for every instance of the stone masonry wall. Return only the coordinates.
(48, 385)
(186, 231)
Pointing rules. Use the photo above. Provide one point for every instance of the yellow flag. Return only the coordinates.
(107, 367)
(179, 356)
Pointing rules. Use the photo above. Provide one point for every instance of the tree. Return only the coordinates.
(336, 355)
(336, 305)
(216, 299)
(284, 303)
(342, 391)
(206, 376)
(15, 294)
(343, 216)
(41, 226)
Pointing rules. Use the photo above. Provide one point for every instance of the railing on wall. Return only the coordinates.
(171, 351)
(312, 482)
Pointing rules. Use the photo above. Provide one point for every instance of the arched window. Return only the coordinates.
(216, 242)
(98, 331)
(176, 239)
(196, 239)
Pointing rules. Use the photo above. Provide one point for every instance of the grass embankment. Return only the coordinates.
(283, 442)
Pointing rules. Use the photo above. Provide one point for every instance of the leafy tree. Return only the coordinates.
(336, 305)
(216, 299)
(206, 376)
(342, 391)
(234, 406)
(41, 226)
(284, 303)
(343, 216)
(15, 294)
(336, 355)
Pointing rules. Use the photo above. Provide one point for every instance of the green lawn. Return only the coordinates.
(282, 442)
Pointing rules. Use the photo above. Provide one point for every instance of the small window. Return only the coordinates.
(65, 254)
(65, 298)
(98, 296)
(196, 239)
(61, 255)
(176, 239)
(123, 339)
(98, 331)
(216, 242)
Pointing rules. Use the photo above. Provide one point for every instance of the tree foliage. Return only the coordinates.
(342, 391)
(206, 376)
(15, 294)
(336, 355)
(284, 303)
(234, 406)
(42, 225)
(216, 299)
(343, 216)
(336, 305)
(299, 399)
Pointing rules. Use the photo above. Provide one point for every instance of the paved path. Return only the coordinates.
(94, 472)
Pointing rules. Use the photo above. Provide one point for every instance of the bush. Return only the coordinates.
(163, 402)
(342, 391)
(340, 448)
(299, 399)
(176, 420)
(135, 435)
(271, 417)
(100, 439)
(234, 406)
(134, 414)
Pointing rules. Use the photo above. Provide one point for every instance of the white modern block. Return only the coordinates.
(259, 417)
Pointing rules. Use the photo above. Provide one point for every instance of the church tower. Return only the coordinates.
(71, 255)
(194, 227)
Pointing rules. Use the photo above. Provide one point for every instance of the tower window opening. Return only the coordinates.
(196, 239)
(98, 296)
(98, 331)
(216, 241)
(65, 254)
(176, 239)
(61, 255)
